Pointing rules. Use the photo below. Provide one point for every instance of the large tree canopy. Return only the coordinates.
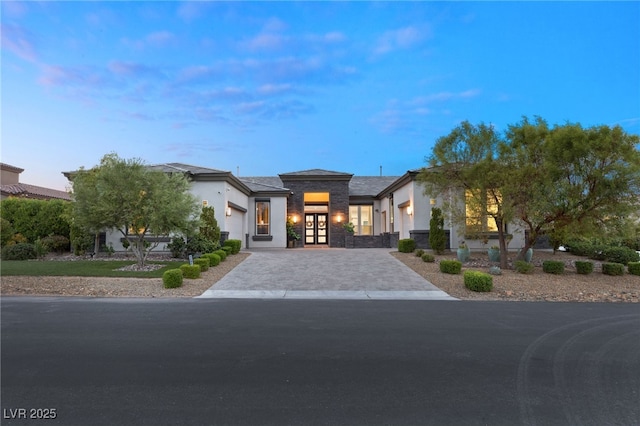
(128, 196)
(553, 181)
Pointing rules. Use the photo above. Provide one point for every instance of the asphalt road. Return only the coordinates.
(318, 362)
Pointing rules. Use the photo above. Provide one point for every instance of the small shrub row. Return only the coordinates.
(214, 259)
(450, 266)
(604, 252)
(612, 268)
(478, 281)
(634, 268)
(222, 254)
(190, 271)
(584, 267)
(523, 266)
(172, 278)
(203, 262)
(235, 245)
(426, 257)
(553, 267)
(406, 245)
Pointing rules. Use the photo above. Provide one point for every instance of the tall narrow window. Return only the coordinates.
(263, 211)
(362, 219)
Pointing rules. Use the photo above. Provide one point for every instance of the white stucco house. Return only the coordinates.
(383, 209)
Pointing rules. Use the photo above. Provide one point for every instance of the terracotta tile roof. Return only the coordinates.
(25, 190)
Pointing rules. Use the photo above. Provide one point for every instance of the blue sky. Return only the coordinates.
(271, 88)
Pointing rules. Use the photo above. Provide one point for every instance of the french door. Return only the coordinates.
(315, 228)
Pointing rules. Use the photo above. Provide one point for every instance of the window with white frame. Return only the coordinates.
(263, 217)
(362, 219)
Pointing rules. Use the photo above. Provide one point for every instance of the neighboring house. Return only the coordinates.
(10, 186)
(382, 209)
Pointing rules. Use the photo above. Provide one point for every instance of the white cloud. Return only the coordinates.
(399, 39)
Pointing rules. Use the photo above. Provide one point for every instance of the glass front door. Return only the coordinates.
(315, 228)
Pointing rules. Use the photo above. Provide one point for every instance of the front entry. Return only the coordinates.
(315, 228)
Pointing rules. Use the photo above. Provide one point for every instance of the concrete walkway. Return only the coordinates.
(324, 274)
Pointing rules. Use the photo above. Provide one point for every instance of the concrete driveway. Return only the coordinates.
(324, 274)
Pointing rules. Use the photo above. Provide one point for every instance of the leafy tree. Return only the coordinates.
(437, 236)
(37, 218)
(569, 180)
(465, 167)
(127, 196)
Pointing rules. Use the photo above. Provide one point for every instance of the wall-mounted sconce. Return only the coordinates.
(339, 218)
(410, 210)
(228, 211)
(295, 219)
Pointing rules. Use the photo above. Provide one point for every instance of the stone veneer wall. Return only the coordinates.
(421, 237)
(338, 204)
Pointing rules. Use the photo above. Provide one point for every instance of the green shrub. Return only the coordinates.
(634, 268)
(20, 251)
(214, 259)
(6, 231)
(622, 255)
(478, 281)
(610, 268)
(203, 262)
(235, 245)
(406, 245)
(177, 247)
(580, 247)
(227, 249)
(437, 236)
(553, 267)
(40, 249)
(584, 267)
(37, 218)
(200, 244)
(450, 266)
(190, 271)
(57, 243)
(172, 278)
(523, 267)
(426, 257)
(222, 254)
(419, 252)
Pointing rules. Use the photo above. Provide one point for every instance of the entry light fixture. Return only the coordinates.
(409, 210)
(339, 218)
(228, 211)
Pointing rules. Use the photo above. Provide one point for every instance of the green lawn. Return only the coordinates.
(80, 268)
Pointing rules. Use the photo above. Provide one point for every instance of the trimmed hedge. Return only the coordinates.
(450, 266)
(523, 266)
(419, 252)
(214, 259)
(553, 267)
(235, 245)
(622, 255)
(20, 251)
(611, 268)
(478, 281)
(222, 254)
(172, 278)
(426, 257)
(190, 271)
(406, 245)
(634, 268)
(584, 267)
(203, 262)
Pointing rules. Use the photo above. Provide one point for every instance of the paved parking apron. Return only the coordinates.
(324, 274)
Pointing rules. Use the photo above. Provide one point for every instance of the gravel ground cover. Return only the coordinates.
(116, 287)
(510, 286)
(536, 286)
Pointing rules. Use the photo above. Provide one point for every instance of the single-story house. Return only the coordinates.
(382, 209)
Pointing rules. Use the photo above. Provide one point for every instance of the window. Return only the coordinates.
(479, 212)
(362, 219)
(263, 210)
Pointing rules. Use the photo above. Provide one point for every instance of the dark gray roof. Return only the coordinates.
(369, 185)
(184, 168)
(263, 183)
(316, 172)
